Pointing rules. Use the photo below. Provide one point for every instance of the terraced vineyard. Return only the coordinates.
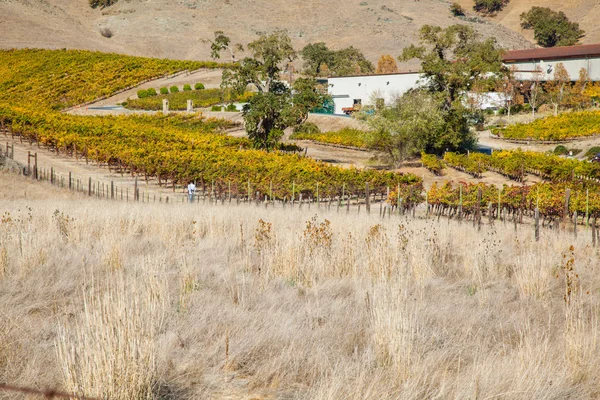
(36, 83)
(563, 127)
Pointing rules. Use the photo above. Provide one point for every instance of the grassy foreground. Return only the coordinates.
(191, 301)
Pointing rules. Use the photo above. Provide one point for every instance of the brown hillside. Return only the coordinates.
(585, 12)
(172, 28)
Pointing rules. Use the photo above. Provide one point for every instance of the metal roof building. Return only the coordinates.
(544, 60)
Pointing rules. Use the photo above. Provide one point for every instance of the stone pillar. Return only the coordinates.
(165, 106)
(190, 106)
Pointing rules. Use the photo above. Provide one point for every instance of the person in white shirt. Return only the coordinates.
(191, 190)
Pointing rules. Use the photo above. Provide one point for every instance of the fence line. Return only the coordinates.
(215, 194)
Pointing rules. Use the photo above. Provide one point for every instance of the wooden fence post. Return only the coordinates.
(367, 199)
(537, 224)
(90, 186)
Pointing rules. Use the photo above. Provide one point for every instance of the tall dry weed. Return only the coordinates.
(110, 351)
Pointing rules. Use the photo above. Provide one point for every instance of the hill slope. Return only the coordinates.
(584, 12)
(172, 28)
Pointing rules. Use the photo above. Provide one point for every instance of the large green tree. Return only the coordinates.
(276, 105)
(413, 123)
(348, 61)
(453, 62)
(315, 55)
(551, 28)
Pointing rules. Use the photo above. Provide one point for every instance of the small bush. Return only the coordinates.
(199, 86)
(216, 108)
(142, 94)
(101, 3)
(489, 6)
(151, 92)
(164, 90)
(592, 152)
(174, 89)
(307, 127)
(186, 87)
(560, 150)
(106, 32)
(457, 10)
(231, 108)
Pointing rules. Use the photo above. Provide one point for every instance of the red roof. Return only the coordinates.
(580, 51)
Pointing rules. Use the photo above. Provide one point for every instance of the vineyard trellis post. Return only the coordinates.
(587, 207)
(367, 199)
(460, 202)
(90, 186)
(567, 202)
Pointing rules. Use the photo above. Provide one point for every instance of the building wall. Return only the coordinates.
(345, 90)
(573, 66)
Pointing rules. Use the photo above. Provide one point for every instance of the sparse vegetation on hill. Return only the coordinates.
(489, 6)
(551, 28)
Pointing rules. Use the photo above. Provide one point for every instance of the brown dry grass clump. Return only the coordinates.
(189, 301)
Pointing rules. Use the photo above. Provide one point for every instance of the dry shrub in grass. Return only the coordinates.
(110, 351)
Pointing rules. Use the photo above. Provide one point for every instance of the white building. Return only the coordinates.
(348, 91)
(544, 60)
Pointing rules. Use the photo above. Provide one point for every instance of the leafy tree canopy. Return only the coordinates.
(453, 60)
(414, 123)
(315, 55)
(551, 28)
(386, 65)
(318, 59)
(276, 106)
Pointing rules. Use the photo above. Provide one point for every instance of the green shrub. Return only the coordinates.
(592, 152)
(560, 150)
(142, 94)
(101, 3)
(489, 6)
(231, 108)
(151, 92)
(164, 90)
(457, 10)
(186, 87)
(307, 127)
(199, 86)
(216, 108)
(174, 89)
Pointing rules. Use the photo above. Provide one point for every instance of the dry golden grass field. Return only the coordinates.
(147, 301)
